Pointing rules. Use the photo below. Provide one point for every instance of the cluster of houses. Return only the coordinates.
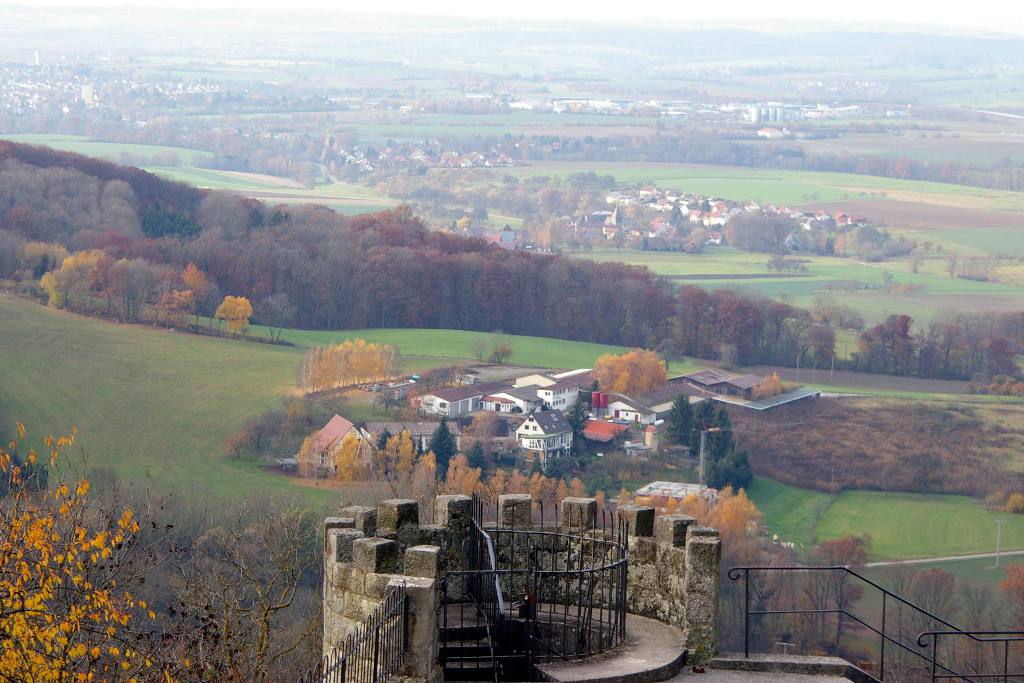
(533, 410)
(401, 156)
(677, 214)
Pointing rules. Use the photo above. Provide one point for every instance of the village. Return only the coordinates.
(535, 419)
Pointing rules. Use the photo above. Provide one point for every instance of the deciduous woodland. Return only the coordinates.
(388, 270)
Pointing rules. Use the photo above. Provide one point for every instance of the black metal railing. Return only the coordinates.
(980, 655)
(812, 610)
(373, 650)
(537, 592)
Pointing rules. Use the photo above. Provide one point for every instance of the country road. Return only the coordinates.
(947, 558)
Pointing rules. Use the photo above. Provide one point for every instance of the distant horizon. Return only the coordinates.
(985, 17)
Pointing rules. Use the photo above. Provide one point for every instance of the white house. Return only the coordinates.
(625, 408)
(544, 435)
(457, 400)
(561, 395)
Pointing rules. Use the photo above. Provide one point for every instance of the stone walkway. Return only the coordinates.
(720, 676)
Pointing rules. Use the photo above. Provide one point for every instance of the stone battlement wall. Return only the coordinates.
(673, 566)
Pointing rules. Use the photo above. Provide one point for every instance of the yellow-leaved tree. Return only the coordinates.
(634, 373)
(236, 310)
(65, 614)
(71, 278)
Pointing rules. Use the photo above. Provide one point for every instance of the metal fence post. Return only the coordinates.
(881, 656)
(746, 613)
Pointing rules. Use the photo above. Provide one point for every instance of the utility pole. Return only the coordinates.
(999, 538)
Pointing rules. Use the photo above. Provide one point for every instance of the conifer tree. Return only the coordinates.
(442, 445)
(679, 424)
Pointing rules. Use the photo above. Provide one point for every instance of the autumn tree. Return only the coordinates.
(73, 277)
(768, 387)
(633, 373)
(195, 281)
(354, 361)
(241, 610)
(236, 310)
(66, 570)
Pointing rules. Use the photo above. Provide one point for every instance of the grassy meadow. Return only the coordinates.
(925, 295)
(901, 525)
(155, 406)
(781, 186)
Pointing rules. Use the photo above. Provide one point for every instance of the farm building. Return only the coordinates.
(456, 401)
(720, 383)
(512, 400)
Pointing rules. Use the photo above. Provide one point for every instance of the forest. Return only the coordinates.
(309, 267)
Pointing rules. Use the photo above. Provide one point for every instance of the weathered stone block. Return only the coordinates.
(424, 561)
(671, 529)
(642, 550)
(454, 512)
(339, 543)
(434, 534)
(639, 519)
(515, 510)
(579, 513)
(376, 555)
(365, 518)
(396, 514)
(376, 586)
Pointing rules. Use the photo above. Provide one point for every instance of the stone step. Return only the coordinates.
(802, 665)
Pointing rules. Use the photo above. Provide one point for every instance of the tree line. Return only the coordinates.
(318, 269)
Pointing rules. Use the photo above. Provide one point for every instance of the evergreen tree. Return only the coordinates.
(442, 445)
(382, 439)
(577, 419)
(679, 424)
(476, 456)
(731, 470)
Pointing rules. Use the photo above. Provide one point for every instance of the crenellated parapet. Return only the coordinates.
(671, 566)
(367, 549)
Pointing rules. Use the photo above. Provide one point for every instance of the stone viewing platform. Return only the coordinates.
(511, 592)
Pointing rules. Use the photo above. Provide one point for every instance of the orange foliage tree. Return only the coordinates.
(634, 373)
(236, 310)
(64, 612)
(769, 386)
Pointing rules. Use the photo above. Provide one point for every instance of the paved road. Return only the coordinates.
(947, 558)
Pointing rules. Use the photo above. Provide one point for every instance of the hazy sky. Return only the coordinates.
(992, 15)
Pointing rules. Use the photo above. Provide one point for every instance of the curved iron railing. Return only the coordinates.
(534, 593)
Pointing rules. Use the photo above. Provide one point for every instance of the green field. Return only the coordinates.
(779, 186)
(905, 525)
(458, 344)
(860, 285)
(108, 150)
(790, 512)
(153, 405)
(901, 525)
(156, 405)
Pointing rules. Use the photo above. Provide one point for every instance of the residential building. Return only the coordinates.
(327, 442)
(419, 432)
(544, 435)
